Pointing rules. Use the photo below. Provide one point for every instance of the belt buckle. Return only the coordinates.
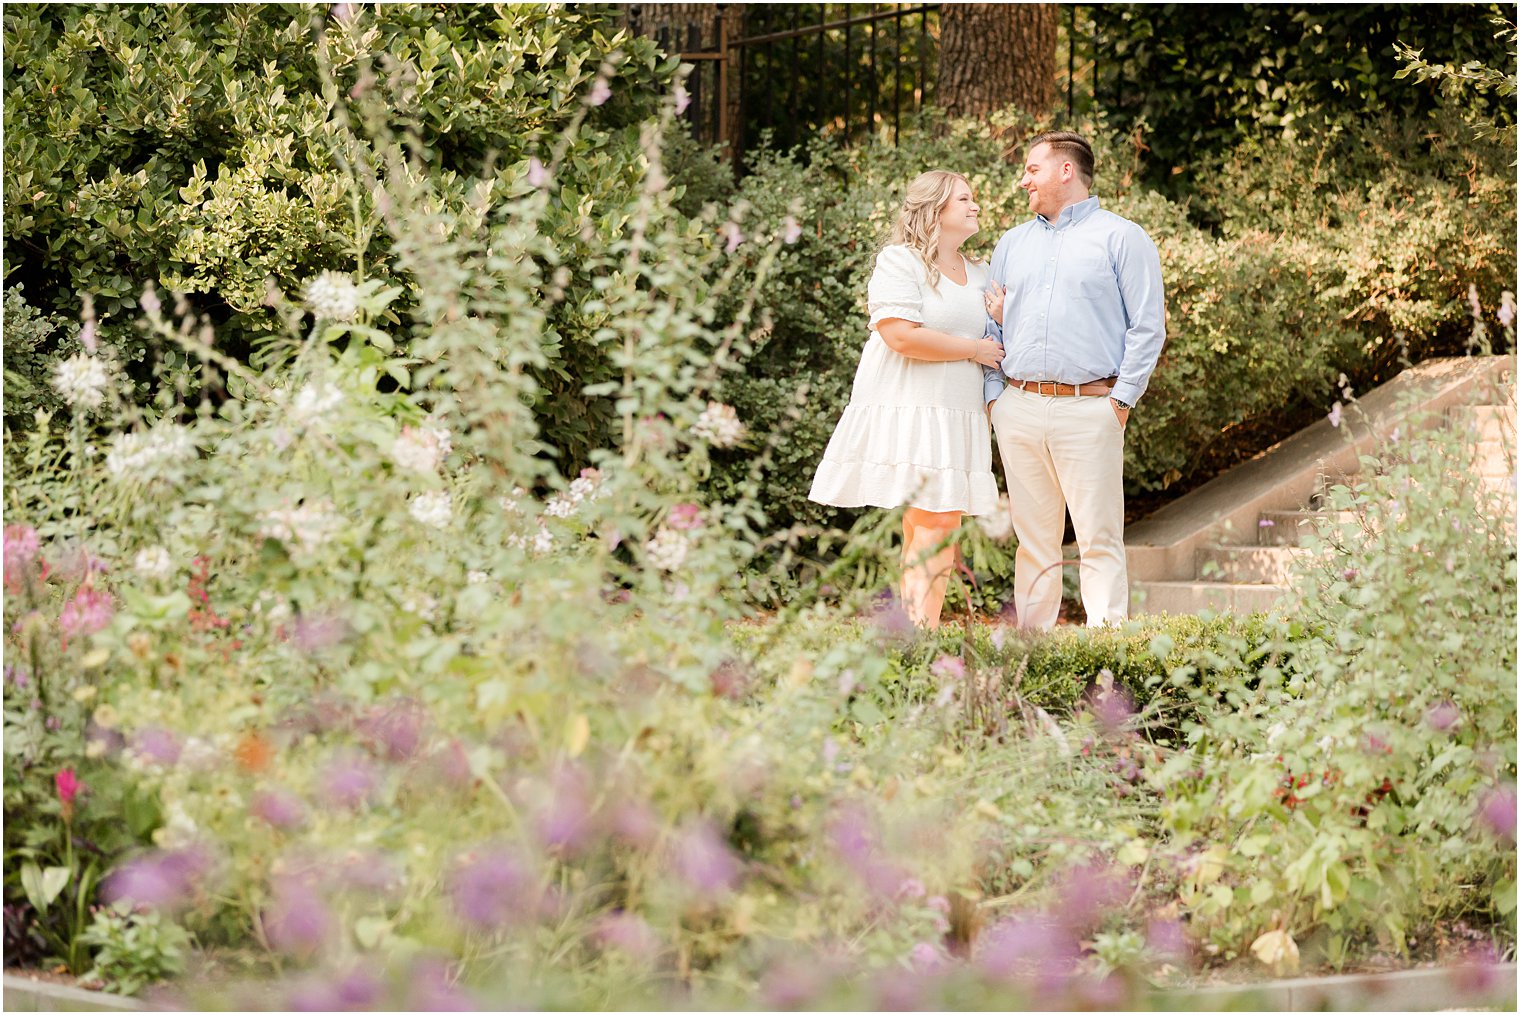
(1053, 387)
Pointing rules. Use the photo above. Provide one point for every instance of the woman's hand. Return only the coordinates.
(993, 300)
(988, 352)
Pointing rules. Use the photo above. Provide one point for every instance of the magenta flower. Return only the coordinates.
(22, 548)
(927, 956)
(278, 808)
(565, 821)
(1497, 810)
(298, 922)
(349, 781)
(703, 860)
(68, 786)
(89, 611)
(493, 888)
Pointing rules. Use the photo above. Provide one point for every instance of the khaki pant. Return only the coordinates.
(1064, 453)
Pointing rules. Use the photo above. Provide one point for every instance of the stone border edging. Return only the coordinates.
(1404, 990)
(23, 994)
(1443, 987)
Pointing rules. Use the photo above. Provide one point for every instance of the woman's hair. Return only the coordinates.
(917, 225)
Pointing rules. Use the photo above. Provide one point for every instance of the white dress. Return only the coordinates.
(915, 432)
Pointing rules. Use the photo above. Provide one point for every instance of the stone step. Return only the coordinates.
(1496, 458)
(1491, 422)
(1249, 565)
(1194, 596)
(1287, 528)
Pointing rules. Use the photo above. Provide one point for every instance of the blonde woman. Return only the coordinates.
(916, 431)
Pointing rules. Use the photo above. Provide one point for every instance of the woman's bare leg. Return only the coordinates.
(928, 559)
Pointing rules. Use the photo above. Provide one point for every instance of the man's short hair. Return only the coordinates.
(1070, 146)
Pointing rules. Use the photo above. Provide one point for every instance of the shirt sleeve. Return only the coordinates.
(897, 287)
(1139, 269)
(992, 377)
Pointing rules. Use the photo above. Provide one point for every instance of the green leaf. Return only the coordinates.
(42, 885)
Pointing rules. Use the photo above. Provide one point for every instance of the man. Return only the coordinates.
(1083, 321)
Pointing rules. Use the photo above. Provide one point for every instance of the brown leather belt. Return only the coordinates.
(1102, 387)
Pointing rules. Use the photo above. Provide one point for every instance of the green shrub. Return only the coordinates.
(134, 949)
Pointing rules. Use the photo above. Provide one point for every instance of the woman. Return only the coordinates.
(915, 431)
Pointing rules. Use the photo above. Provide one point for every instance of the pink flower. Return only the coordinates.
(1442, 716)
(791, 230)
(704, 862)
(278, 808)
(1497, 810)
(89, 611)
(734, 236)
(68, 785)
(538, 173)
(600, 92)
(683, 99)
(22, 545)
(1507, 309)
(1335, 415)
(685, 516)
(949, 667)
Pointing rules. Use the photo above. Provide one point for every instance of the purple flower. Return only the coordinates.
(314, 633)
(791, 230)
(17, 677)
(1112, 707)
(703, 861)
(1349, 574)
(356, 990)
(948, 667)
(628, 933)
(1087, 893)
(538, 173)
(159, 880)
(493, 888)
(89, 611)
(22, 547)
(902, 989)
(1265, 523)
(451, 766)
(1442, 716)
(432, 988)
(683, 99)
(1166, 939)
(1335, 415)
(278, 808)
(565, 821)
(1497, 810)
(157, 745)
(298, 922)
(349, 781)
(911, 888)
(635, 824)
(733, 236)
(600, 92)
(1026, 946)
(927, 956)
(792, 986)
(397, 730)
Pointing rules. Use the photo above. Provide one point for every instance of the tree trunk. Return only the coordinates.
(692, 28)
(991, 55)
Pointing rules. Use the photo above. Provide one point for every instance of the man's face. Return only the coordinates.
(1047, 180)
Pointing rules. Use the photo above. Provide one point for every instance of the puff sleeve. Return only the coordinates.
(897, 286)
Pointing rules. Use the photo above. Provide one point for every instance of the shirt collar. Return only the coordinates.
(1072, 213)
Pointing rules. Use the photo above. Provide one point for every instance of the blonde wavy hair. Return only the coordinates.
(917, 225)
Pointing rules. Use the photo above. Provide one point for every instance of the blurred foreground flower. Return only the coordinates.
(332, 296)
(719, 425)
(420, 449)
(493, 888)
(1498, 812)
(82, 380)
(434, 509)
(313, 402)
(998, 526)
(161, 880)
(160, 453)
(279, 808)
(667, 550)
(89, 611)
(304, 529)
(298, 921)
(1277, 950)
(153, 562)
(703, 860)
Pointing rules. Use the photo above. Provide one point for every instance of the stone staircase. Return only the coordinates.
(1229, 546)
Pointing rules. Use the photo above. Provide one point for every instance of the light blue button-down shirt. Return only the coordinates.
(1084, 302)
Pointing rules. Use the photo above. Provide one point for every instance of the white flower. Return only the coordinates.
(313, 402)
(302, 529)
(333, 296)
(159, 453)
(421, 605)
(477, 577)
(998, 526)
(582, 488)
(272, 606)
(153, 562)
(82, 380)
(199, 753)
(442, 435)
(419, 449)
(667, 550)
(512, 503)
(719, 425)
(560, 506)
(178, 829)
(434, 509)
(544, 541)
